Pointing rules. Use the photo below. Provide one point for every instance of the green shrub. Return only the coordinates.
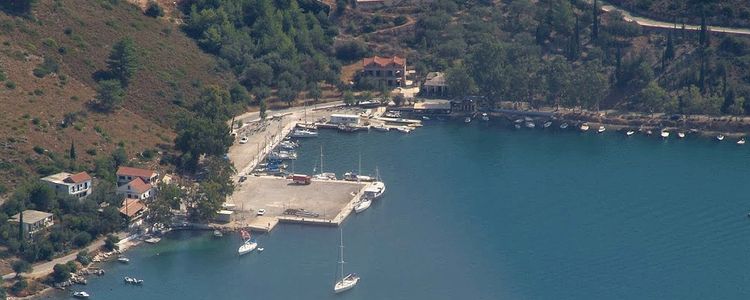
(91, 151)
(110, 243)
(81, 239)
(19, 286)
(49, 65)
(154, 10)
(61, 273)
(38, 150)
(10, 85)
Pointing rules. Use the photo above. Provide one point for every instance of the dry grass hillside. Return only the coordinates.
(78, 34)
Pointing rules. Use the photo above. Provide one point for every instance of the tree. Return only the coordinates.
(460, 83)
(349, 99)
(199, 136)
(287, 94)
(19, 286)
(110, 95)
(591, 85)
(558, 73)
(168, 198)
(83, 257)
(110, 242)
(123, 60)
(669, 49)
(72, 152)
(315, 92)
(595, 26)
(385, 94)
(21, 266)
(653, 98)
(61, 273)
(154, 10)
(398, 100)
(737, 108)
(262, 109)
(21, 7)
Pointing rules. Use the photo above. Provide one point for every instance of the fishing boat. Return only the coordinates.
(530, 125)
(217, 233)
(601, 129)
(720, 137)
(741, 141)
(584, 127)
(563, 125)
(664, 134)
(80, 294)
(323, 175)
(547, 124)
(350, 280)
(362, 205)
(467, 120)
(248, 245)
(630, 132)
(123, 259)
(485, 117)
(680, 134)
(375, 189)
(303, 133)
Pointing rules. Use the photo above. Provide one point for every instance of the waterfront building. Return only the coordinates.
(435, 85)
(132, 208)
(344, 119)
(433, 107)
(33, 221)
(128, 174)
(78, 185)
(388, 71)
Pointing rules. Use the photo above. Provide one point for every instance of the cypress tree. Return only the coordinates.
(669, 50)
(72, 151)
(595, 27)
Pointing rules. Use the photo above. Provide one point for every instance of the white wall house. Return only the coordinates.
(344, 119)
(136, 189)
(33, 221)
(77, 185)
(128, 174)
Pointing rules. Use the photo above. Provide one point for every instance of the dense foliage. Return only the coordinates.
(279, 44)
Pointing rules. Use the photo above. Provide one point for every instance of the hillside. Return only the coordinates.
(732, 13)
(77, 36)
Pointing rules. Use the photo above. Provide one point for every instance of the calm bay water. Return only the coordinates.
(482, 212)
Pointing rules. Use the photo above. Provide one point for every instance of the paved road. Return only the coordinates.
(646, 22)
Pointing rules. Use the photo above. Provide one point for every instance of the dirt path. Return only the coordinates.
(409, 22)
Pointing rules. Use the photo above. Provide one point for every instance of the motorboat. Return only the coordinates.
(630, 132)
(601, 129)
(680, 134)
(282, 155)
(351, 176)
(217, 233)
(547, 124)
(404, 129)
(374, 190)
(123, 259)
(467, 120)
(584, 127)
(741, 141)
(649, 132)
(261, 249)
(81, 294)
(153, 240)
(249, 244)
(720, 137)
(131, 280)
(530, 124)
(485, 117)
(303, 133)
(288, 145)
(345, 282)
(381, 128)
(664, 134)
(362, 205)
(426, 118)
(563, 125)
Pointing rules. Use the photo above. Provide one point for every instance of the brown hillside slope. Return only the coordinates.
(79, 35)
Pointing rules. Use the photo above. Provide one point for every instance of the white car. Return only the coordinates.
(243, 140)
(261, 212)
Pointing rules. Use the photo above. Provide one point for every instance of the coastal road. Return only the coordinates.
(646, 22)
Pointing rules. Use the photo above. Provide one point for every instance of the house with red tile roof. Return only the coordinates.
(128, 174)
(136, 189)
(387, 71)
(78, 185)
(132, 208)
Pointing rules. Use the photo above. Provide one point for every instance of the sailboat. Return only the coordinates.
(350, 280)
(351, 176)
(376, 188)
(248, 245)
(363, 204)
(323, 175)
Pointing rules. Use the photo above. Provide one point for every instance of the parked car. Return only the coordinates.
(261, 211)
(243, 140)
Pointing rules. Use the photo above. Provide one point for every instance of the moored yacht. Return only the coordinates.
(680, 134)
(345, 282)
(303, 133)
(547, 124)
(248, 245)
(601, 129)
(123, 259)
(364, 203)
(584, 127)
(530, 124)
(664, 134)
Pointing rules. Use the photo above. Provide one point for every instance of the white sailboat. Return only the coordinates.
(345, 282)
(741, 141)
(720, 137)
(323, 175)
(248, 246)
(363, 204)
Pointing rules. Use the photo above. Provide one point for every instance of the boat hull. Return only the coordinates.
(247, 248)
(362, 206)
(345, 285)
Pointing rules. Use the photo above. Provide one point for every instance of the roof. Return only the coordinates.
(31, 216)
(384, 61)
(78, 177)
(58, 178)
(131, 207)
(136, 172)
(139, 186)
(224, 212)
(433, 105)
(344, 116)
(435, 79)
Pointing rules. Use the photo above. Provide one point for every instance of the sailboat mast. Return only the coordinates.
(359, 170)
(341, 232)
(321, 159)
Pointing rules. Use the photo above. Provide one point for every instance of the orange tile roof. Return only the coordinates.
(383, 61)
(130, 207)
(78, 177)
(136, 172)
(139, 186)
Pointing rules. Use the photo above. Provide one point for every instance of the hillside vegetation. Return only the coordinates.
(735, 13)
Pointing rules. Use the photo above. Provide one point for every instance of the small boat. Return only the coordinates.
(563, 125)
(584, 127)
(485, 117)
(131, 280)
(362, 205)
(152, 240)
(403, 129)
(720, 137)
(680, 134)
(426, 118)
(288, 145)
(517, 126)
(547, 124)
(282, 155)
(80, 294)
(629, 132)
(217, 233)
(601, 129)
(261, 249)
(649, 132)
(381, 128)
(664, 134)
(741, 141)
(467, 120)
(350, 280)
(303, 133)
(248, 245)
(530, 125)
(123, 259)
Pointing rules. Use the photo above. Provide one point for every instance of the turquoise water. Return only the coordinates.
(484, 212)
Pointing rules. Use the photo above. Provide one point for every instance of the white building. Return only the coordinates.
(77, 185)
(136, 189)
(128, 174)
(33, 221)
(344, 119)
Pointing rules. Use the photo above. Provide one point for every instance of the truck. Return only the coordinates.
(301, 179)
